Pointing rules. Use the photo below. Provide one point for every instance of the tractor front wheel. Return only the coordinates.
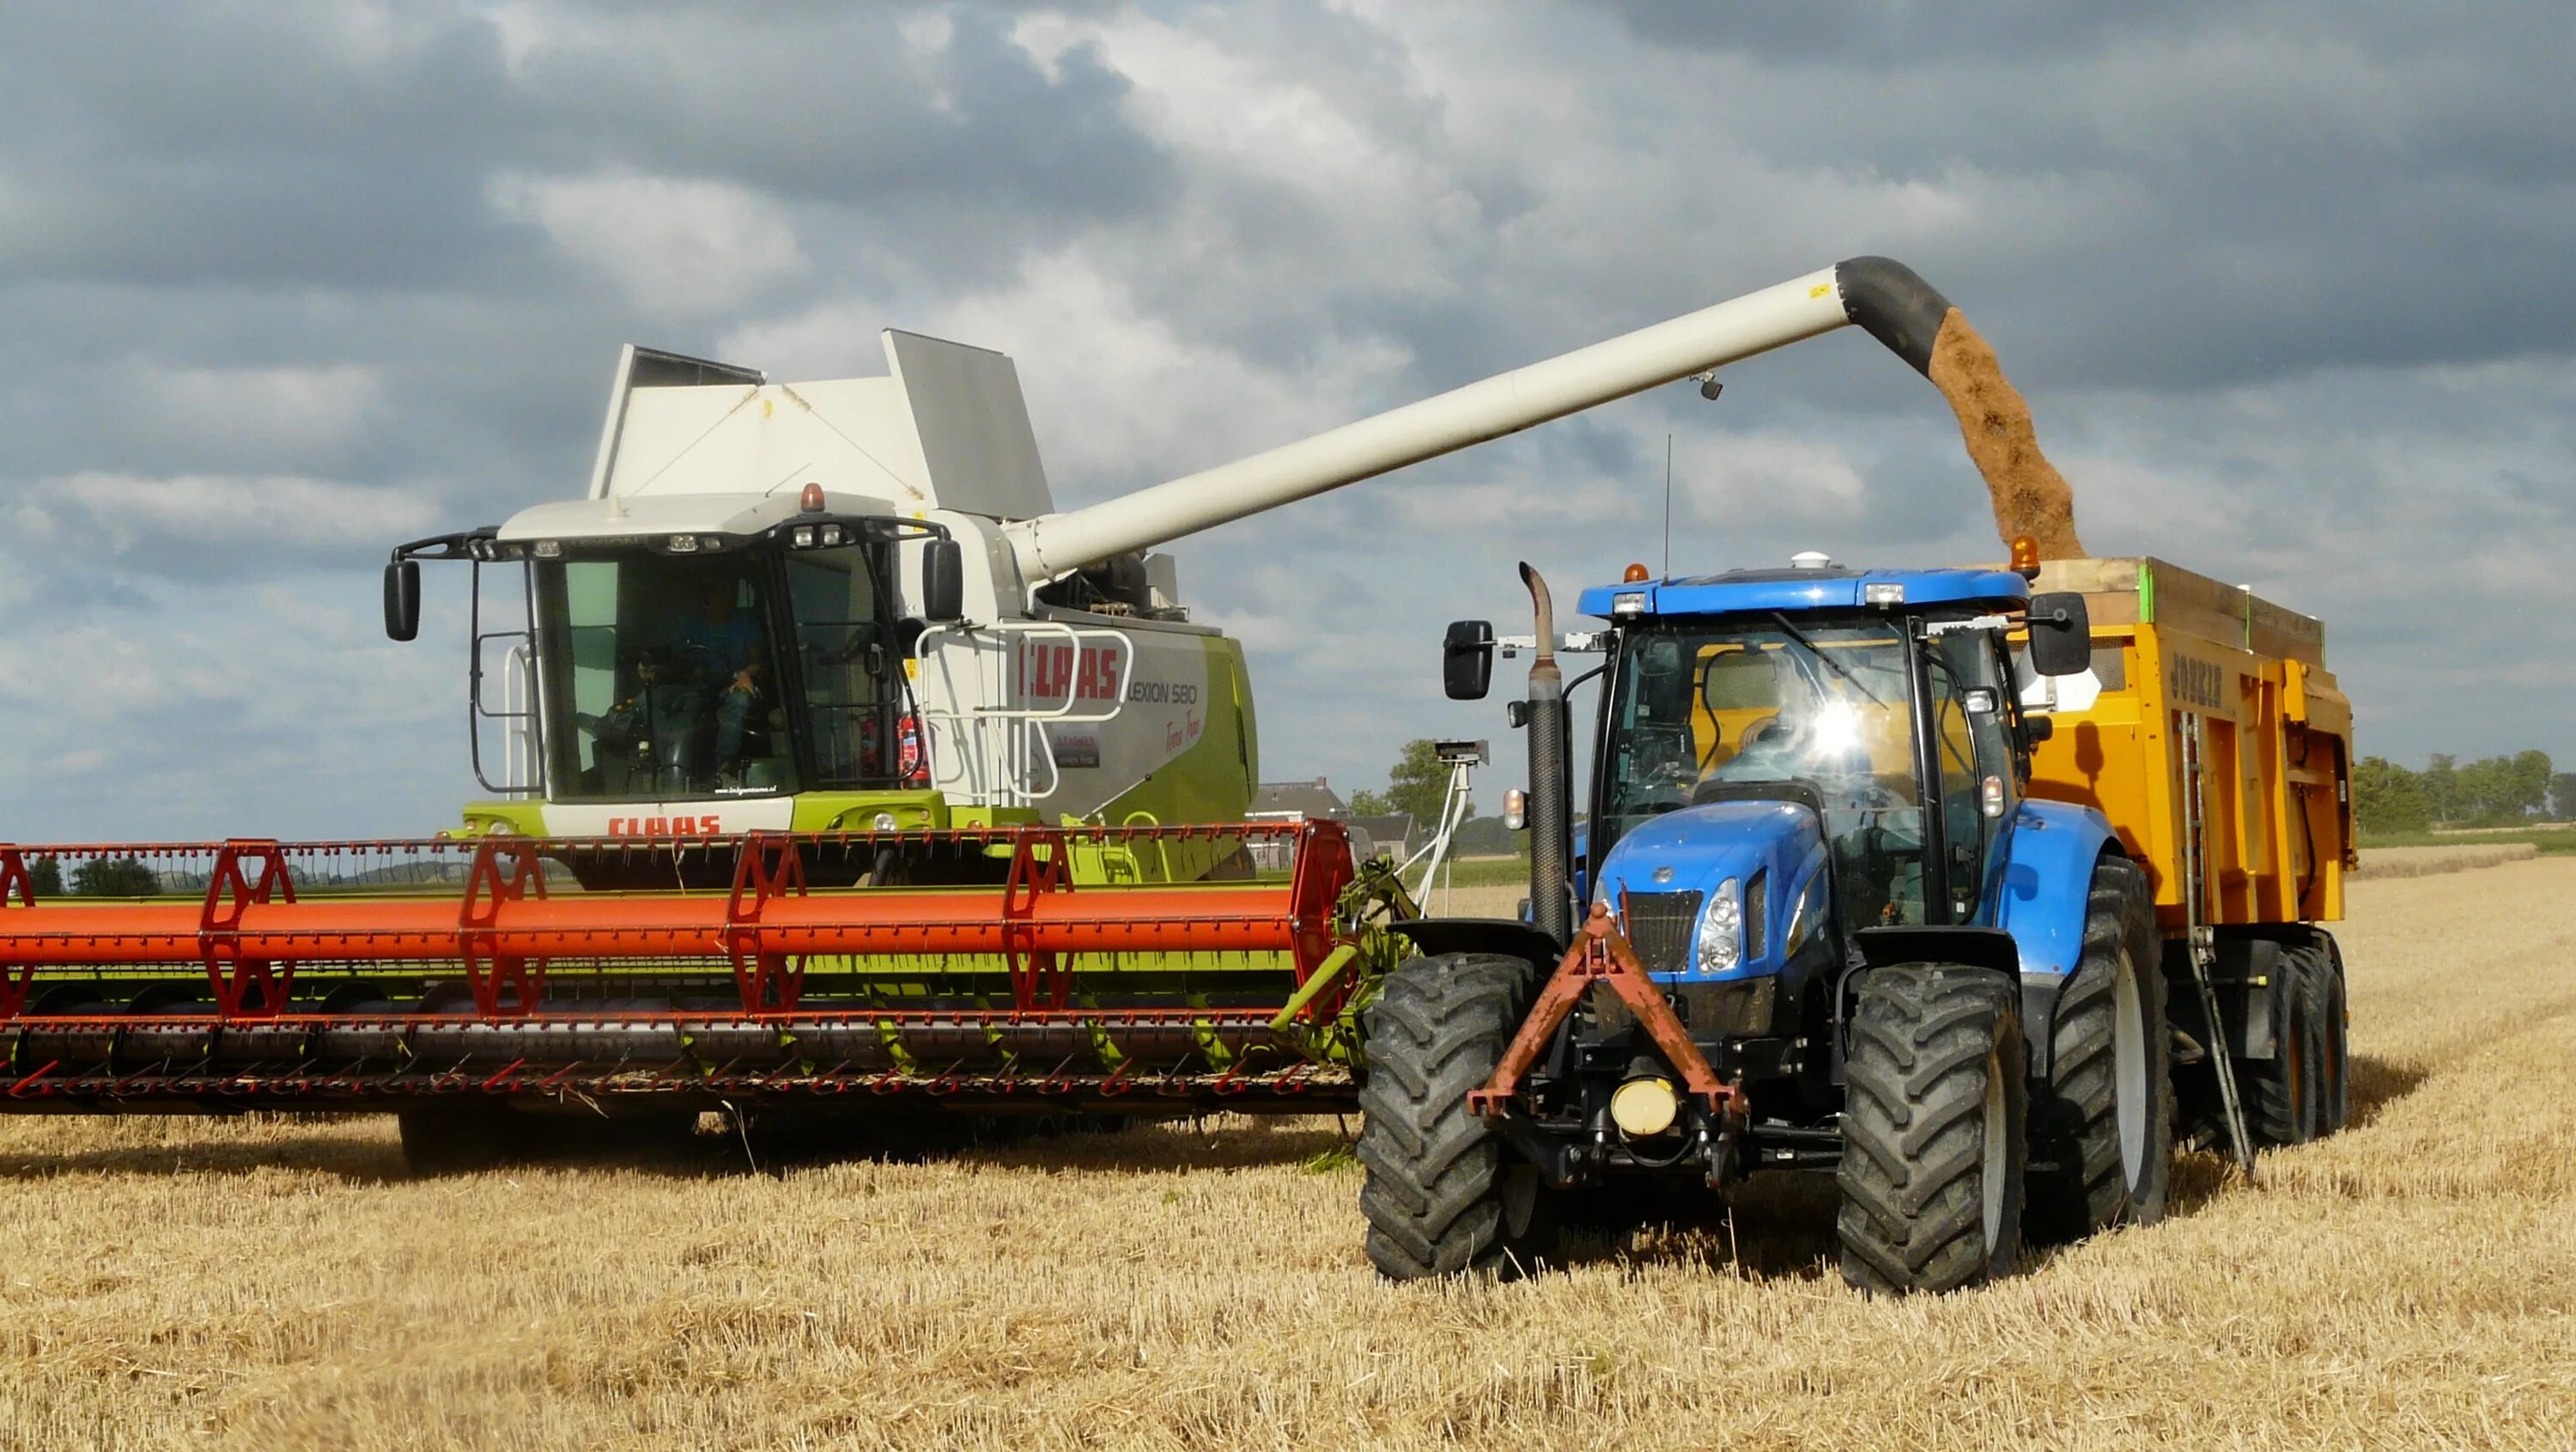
(1935, 1107)
(1442, 1193)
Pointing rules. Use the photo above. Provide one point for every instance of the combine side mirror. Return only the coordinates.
(2061, 635)
(402, 599)
(943, 581)
(1467, 659)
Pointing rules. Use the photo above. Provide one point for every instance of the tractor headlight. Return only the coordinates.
(1721, 929)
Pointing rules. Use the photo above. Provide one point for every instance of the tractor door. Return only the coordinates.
(1978, 788)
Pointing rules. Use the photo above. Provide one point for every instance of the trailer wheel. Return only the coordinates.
(2281, 1092)
(1934, 1117)
(2329, 1051)
(1442, 1193)
(2103, 1116)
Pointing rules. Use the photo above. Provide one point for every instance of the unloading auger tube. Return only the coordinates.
(369, 974)
(1882, 296)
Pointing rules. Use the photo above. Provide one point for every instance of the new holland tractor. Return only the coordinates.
(834, 773)
(1910, 876)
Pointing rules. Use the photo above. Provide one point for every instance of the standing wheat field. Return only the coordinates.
(282, 1283)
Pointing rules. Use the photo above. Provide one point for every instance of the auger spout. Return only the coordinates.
(1882, 296)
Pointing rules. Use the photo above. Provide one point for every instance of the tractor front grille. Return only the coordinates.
(1659, 928)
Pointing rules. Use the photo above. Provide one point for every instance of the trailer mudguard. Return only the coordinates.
(2048, 882)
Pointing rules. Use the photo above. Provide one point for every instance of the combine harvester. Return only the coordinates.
(837, 773)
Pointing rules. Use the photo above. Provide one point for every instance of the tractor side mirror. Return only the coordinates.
(1467, 659)
(2061, 634)
(943, 581)
(402, 599)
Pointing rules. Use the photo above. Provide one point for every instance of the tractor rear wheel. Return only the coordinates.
(2281, 1092)
(1934, 1116)
(1443, 1194)
(2103, 1116)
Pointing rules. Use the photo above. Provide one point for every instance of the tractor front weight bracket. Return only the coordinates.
(1601, 954)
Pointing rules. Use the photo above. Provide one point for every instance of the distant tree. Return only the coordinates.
(2441, 784)
(1418, 784)
(2562, 796)
(114, 877)
(1366, 803)
(1486, 837)
(45, 876)
(2387, 797)
(2531, 778)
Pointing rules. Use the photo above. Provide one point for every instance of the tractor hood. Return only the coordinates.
(1722, 891)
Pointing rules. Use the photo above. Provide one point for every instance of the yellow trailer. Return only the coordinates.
(2213, 737)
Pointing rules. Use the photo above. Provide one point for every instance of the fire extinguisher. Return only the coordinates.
(912, 762)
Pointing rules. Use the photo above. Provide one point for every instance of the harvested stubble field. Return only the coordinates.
(281, 1284)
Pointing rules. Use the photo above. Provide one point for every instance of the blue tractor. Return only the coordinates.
(1811, 922)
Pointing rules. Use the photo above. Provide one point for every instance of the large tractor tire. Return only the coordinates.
(2281, 1092)
(2102, 1118)
(1442, 1193)
(1935, 1113)
(2329, 1051)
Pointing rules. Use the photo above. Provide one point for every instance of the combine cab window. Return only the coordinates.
(850, 655)
(660, 679)
(1826, 708)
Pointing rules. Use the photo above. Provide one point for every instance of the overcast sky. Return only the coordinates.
(2288, 286)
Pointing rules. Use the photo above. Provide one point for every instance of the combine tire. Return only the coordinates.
(1936, 1103)
(462, 1139)
(2103, 1116)
(2281, 1092)
(1444, 1195)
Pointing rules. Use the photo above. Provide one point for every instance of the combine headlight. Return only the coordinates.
(802, 536)
(1721, 929)
(1628, 602)
(549, 549)
(682, 544)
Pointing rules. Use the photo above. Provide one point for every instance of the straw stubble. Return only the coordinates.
(281, 1284)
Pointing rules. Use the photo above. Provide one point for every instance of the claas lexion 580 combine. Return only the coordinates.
(835, 772)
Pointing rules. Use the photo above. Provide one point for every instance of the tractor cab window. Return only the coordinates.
(661, 678)
(1699, 714)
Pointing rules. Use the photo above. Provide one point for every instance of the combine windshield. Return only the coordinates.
(743, 674)
(1698, 712)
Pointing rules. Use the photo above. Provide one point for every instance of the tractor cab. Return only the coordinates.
(1787, 757)
(1860, 724)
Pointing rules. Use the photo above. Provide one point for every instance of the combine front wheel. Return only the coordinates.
(1443, 1195)
(1936, 1099)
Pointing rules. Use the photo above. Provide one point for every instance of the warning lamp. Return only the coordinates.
(811, 501)
(2025, 557)
(1634, 574)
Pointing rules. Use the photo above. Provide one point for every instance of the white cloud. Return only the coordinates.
(675, 244)
(87, 515)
